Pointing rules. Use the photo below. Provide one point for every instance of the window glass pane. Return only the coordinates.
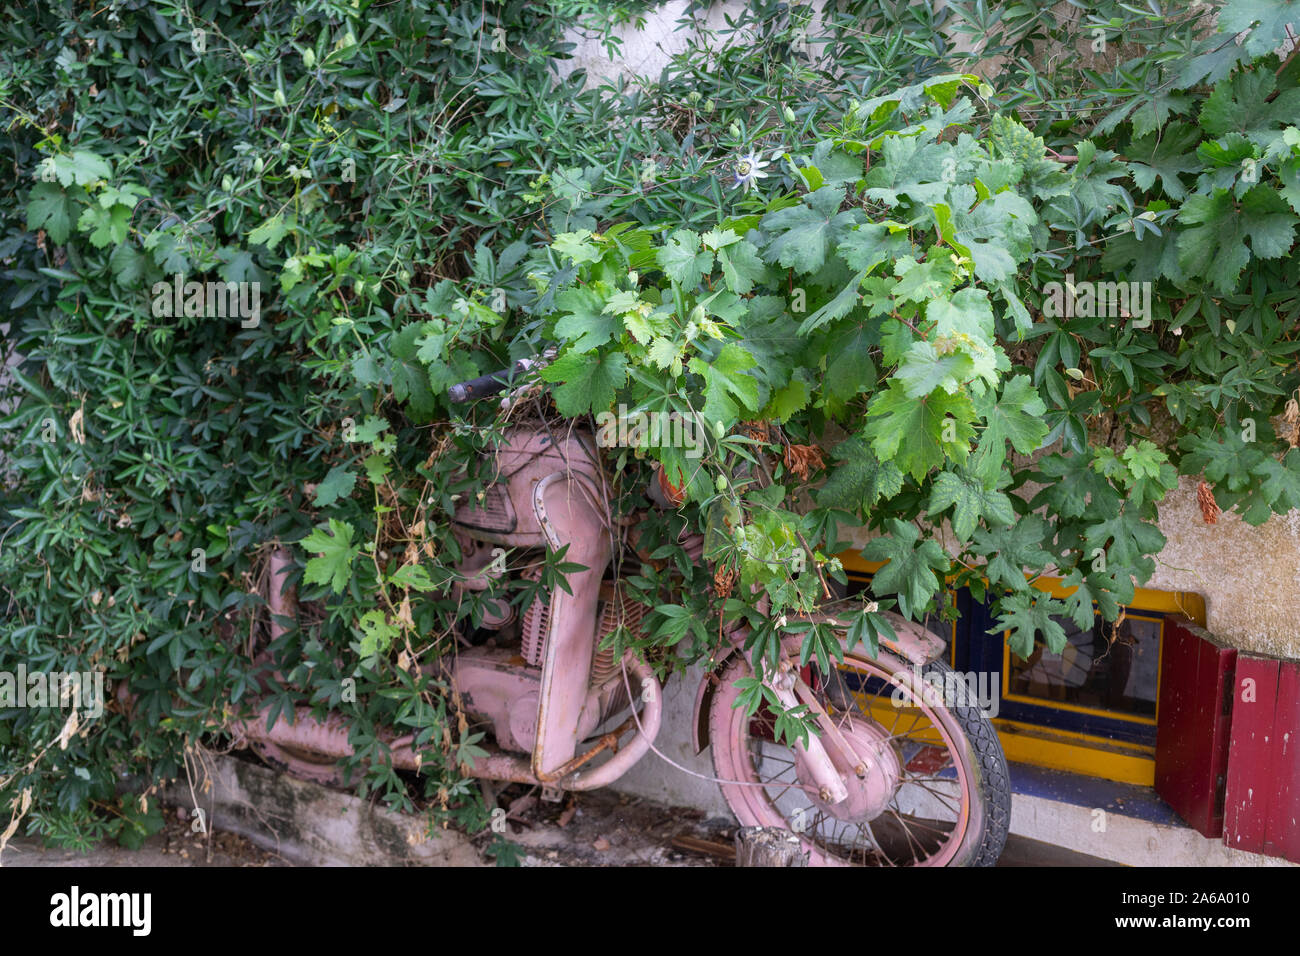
(1093, 671)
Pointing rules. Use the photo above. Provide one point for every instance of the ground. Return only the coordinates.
(595, 829)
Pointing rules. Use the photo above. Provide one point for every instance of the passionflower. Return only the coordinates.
(749, 169)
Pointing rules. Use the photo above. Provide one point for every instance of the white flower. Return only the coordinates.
(749, 169)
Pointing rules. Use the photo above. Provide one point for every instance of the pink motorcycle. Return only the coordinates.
(890, 778)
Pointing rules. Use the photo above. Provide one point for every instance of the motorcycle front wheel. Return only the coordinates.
(929, 786)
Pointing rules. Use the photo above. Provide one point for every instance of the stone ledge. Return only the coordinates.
(311, 825)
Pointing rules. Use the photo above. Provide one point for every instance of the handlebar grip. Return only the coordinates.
(494, 382)
(480, 387)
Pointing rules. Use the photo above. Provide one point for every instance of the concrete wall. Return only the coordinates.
(659, 780)
(1250, 577)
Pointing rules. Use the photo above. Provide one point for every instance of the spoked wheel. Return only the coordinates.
(935, 791)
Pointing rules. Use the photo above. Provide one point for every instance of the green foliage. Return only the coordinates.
(420, 207)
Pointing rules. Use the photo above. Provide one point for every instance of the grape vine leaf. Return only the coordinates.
(1131, 541)
(1281, 485)
(337, 484)
(587, 326)
(1243, 105)
(1018, 416)
(970, 501)
(741, 266)
(334, 553)
(585, 383)
(1027, 614)
(1165, 156)
(1096, 587)
(682, 259)
(1013, 549)
(1266, 21)
(910, 571)
(803, 233)
(1215, 245)
(910, 432)
(49, 208)
(859, 479)
(724, 378)
(81, 168)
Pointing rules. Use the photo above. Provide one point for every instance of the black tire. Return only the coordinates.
(995, 779)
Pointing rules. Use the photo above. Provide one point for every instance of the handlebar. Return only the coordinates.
(492, 383)
(480, 387)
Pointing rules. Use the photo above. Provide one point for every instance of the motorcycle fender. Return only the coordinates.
(911, 642)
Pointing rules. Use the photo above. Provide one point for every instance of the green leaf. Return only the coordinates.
(803, 234)
(910, 571)
(1096, 587)
(368, 431)
(995, 234)
(726, 379)
(1267, 21)
(107, 227)
(413, 382)
(574, 245)
(873, 243)
(682, 260)
(923, 369)
(922, 281)
(49, 208)
(335, 551)
(867, 629)
(716, 239)
(1126, 540)
(1018, 416)
(741, 266)
(838, 307)
(414, 577)
(1144, 459)
(1012, 550)
(589, 381)
(1071, 487)
(377, 634)
(127, 263)
(787, 400)
(849, 369)
(859, 479)
(269, 233)
(1281, 485)
(970, 501)
(1242, 105)
(587, 326)
(337, 484)
(1215, 246)
(1165, 156)
(81, 168)
(377, 468)
(1028, 614)
(911, 432)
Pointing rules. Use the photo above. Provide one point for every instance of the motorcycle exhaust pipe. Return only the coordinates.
(329, 738)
